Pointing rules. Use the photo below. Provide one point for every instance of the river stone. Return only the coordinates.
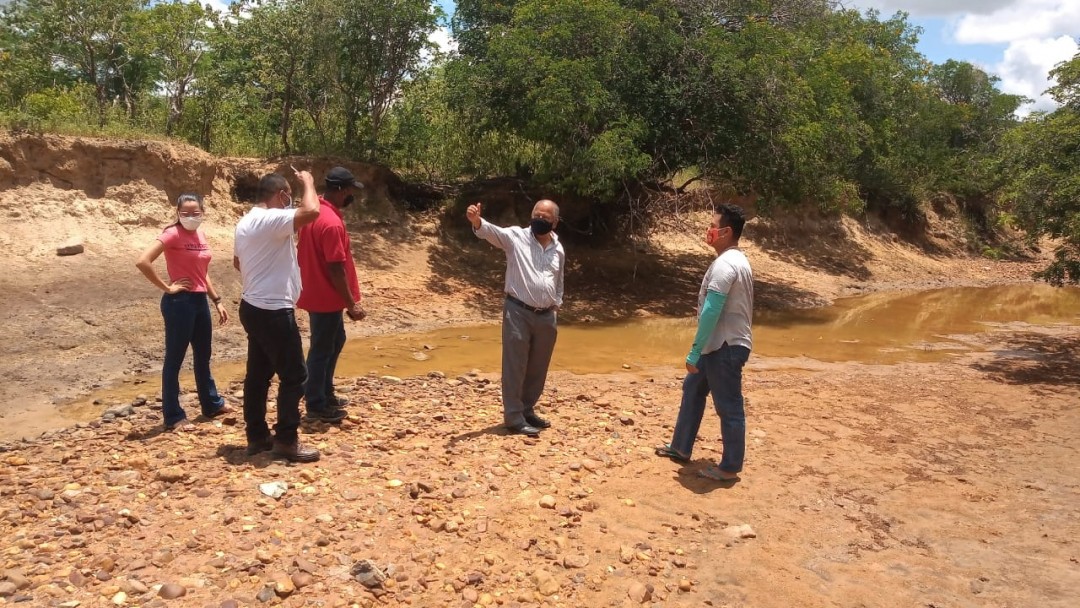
(547, 501)
(639, 592)
(545, 582)
(575, 561)
(368, 574)
(171, 591)
(266, 594)
(71, 248)
(283, 585)
(171, 474)
(302, 579)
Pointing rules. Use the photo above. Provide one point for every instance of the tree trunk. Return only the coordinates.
(286, 110)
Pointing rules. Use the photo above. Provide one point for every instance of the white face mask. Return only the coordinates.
(191, 223)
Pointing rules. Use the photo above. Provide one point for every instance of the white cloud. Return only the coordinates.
(444, 44)
(1025, 68)
(1021, 20)
(932, 8)
(1036, 34)
(444, 40)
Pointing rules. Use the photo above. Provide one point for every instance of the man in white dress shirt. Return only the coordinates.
(534, 292)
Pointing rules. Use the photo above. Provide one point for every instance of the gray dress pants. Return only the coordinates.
(528, 339)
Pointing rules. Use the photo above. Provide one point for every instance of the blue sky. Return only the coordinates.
(1019, 41)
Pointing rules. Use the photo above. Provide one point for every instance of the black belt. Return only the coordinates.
(538, 311)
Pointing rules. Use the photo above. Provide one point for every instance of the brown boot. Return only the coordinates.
(295, 452)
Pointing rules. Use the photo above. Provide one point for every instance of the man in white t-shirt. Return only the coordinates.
(720, 350)
(265, 255)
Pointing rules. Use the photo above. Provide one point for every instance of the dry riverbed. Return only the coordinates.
(944, 484)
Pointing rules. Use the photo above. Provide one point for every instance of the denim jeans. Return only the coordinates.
(187, 321)
(273, 348)
(327, 340)
(719, 373)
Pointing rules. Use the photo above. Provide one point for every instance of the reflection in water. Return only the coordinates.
(878, 328)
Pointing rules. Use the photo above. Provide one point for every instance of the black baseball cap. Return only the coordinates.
(342, 178)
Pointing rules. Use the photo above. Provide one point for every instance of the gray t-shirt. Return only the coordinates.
(730, 274)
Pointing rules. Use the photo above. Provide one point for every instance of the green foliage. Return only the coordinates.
(1041, 163)
(269, 77)
(793, 100)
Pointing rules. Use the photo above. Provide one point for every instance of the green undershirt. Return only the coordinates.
(710, 316)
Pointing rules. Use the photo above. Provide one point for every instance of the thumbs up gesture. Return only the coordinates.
(473, 214)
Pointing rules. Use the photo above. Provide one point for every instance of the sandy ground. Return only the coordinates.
(947, 484)
(909, 485)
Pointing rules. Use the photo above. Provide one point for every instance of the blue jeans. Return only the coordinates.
(719, 373)
(327, 340)
(187, 321)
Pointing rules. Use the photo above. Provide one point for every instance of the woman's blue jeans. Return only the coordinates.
(187, 321)
(719, 373)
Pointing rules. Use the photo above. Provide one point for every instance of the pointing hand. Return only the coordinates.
(473, 214)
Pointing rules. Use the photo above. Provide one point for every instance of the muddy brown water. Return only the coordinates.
(880, 328)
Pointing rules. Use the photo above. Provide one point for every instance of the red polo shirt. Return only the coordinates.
(321, 243)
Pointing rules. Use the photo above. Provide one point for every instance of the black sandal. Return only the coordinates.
(666, 451)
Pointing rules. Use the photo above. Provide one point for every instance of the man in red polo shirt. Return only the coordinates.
(330, 288)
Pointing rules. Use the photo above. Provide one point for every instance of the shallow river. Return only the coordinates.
(880, 328)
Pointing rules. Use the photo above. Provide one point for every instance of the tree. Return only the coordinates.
(91, 38)
(175, 34)
(380, 45)
(1041, 162)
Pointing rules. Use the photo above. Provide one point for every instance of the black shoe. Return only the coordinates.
(295, 452)
(524, 429)
(538, 422)
(335, 415)
(258, 446)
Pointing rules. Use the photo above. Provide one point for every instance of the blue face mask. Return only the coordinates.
(540, 226)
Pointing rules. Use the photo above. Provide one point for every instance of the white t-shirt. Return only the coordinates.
(267, 252)
(730, 275)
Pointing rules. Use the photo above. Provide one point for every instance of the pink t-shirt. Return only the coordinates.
(187, 256)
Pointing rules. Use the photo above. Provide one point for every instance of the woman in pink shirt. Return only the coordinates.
(185, 309)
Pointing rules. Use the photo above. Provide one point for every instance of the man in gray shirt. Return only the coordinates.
(534, 292)
(720, 350)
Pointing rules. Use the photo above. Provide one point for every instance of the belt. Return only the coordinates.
(518, 302)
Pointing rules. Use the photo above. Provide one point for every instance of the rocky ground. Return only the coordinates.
(950, 484)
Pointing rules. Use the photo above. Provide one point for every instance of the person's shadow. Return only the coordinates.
(688, 477)
(495, 429)
(236, 455)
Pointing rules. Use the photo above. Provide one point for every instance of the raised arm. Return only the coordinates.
(499, 237)
(309, 205)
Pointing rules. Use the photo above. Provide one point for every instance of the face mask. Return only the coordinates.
(540, 226)
(191, 223)
(712, 235)
(348, 201)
